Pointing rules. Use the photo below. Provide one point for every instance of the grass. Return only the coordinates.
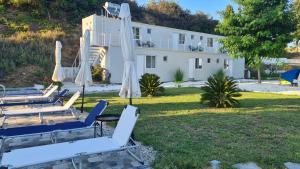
(265, 129)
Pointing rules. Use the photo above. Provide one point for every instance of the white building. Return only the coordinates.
(159, 50)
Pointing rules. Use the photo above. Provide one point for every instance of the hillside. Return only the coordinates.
(29, 29)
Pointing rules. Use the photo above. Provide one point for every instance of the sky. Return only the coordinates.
(210, 7)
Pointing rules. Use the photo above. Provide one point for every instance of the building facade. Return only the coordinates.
(160, 50)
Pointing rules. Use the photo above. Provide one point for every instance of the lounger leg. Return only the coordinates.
(53, 137)
(138, 157)
(3, 120)
(74, 164)
(2, 145)
(41, 117)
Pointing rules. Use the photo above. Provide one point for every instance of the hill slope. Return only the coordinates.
(29, 29)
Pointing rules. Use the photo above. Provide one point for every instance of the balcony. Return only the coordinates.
(168, 44)
(163, 44)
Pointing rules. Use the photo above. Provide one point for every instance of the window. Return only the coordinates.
(198, 63)
(150, 61)
(149, 31)
(136, 33)
(201, 37)
(226, 65)
(210, 42)
(181, 38)
(165, 58)
(208, 60)
(192, 37)
(218, 60)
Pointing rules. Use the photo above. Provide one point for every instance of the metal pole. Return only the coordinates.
(82, 100)
(130, 101)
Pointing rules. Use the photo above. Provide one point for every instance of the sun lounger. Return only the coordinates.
(25, 91)
(6, 133)
(76, 149)
(29, 98)
(41, 110)
(55, 100)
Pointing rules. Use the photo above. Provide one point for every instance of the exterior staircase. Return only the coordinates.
(97, 53)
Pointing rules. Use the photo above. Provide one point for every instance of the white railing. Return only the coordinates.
(168, 44)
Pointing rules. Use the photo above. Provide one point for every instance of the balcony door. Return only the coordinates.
(175, 40)
(140, 64)
(191, 68)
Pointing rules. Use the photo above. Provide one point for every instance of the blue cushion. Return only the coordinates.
(97, 110)
(25, 130)
(68, 125)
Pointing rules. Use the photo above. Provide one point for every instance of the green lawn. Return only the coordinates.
(265, 129)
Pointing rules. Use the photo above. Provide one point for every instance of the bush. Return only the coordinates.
(178, 76)
(97, 73)
(100, 74)
(150, 85)
(220, 91)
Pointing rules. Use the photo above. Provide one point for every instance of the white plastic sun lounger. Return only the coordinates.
(45, 96)
(76, 149)
(41, 110)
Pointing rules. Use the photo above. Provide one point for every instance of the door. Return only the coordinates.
(175, 41)
(140, 64)
(191, 68)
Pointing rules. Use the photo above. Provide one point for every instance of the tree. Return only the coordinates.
(297, 18)
(259, 29)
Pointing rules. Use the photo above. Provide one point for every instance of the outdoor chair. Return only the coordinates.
(45, 96)
(26, 91)
(10, 133)
(53, 101)
(73, 150)
(41, 110)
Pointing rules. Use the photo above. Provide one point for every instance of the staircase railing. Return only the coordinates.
(76, 64)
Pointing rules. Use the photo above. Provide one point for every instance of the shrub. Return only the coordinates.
(220, 91)
(150, 85)
(178, 76)
(100, 74)
(97, 73)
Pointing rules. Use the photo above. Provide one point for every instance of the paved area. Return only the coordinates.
(270, 86)
(114, 160)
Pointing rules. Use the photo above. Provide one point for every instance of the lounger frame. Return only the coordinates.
(53, 134)
(127, 146)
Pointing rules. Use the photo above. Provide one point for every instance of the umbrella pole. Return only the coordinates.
(130, 101)
(82, 100)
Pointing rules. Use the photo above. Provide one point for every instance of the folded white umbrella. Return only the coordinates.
(58, 74)
(84, 76)
(130, 84)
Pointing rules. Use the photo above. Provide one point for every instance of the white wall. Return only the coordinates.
(176, 60)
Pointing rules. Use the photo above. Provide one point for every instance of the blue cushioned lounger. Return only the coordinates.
(40, 129)
(55, 100)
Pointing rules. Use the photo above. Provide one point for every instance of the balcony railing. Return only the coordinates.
(165, 44)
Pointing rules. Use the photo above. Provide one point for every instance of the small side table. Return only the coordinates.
(106, 118)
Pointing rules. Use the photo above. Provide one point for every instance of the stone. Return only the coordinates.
(61, 166)
(215, 164)
(135, 164)
(249, 165)
(290, 165)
